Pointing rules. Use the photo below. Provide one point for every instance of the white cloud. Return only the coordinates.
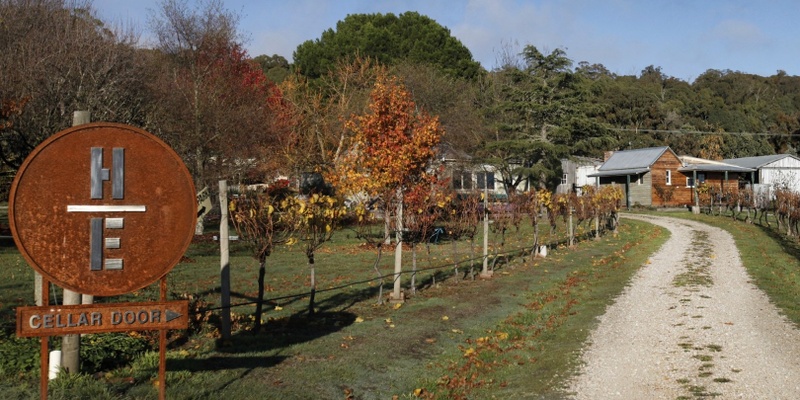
(739, 36)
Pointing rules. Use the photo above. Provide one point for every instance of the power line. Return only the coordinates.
(700, 132)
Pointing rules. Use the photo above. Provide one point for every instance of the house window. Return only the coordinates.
(462, 180)
(669, 177)
(485, 180)
(701, 178)
(564, 179)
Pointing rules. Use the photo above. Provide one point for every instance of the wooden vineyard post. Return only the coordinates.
(224, 263)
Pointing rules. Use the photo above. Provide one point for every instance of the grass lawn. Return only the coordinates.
(515, 335)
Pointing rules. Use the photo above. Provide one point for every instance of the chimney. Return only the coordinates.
(607, 155)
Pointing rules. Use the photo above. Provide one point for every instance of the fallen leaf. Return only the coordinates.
(359, 320)
(445, 318)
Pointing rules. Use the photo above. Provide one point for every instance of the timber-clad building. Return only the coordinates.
(656, 176)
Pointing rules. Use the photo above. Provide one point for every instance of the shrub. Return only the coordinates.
(18, 355)
(106, 351)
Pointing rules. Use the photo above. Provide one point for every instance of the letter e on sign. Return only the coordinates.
(102, 209)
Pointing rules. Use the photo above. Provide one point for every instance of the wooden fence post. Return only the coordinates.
(224, 263)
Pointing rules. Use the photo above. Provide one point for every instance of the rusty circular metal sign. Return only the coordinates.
(103, 209)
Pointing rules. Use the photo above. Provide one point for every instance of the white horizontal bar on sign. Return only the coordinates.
(130, 208)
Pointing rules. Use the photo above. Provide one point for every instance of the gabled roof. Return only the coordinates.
(758, 161)
(449, 153)
(634, 159)
(631, 162)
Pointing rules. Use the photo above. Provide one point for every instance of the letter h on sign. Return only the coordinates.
(98, 242)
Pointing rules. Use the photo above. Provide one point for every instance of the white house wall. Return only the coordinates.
(781, 173)
(781, 177)
(582, 175)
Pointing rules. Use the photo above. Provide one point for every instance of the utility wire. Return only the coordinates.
(673, 131)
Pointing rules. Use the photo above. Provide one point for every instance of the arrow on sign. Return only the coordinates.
(171, 315)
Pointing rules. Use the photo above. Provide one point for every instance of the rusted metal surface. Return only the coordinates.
(103, 209)
(99, 318)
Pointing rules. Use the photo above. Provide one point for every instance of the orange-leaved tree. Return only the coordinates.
(390, 150)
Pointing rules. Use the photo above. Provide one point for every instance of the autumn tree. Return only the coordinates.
(320, 109)
(314, 221)
(456, 101)
(424, 207)
(216, 107)
(536, 201)
(390, 150)
(57, 57)
(260, 224)
(461, 218)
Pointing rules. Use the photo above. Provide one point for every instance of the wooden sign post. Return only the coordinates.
(102, 209)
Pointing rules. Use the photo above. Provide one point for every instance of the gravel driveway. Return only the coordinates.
(691, 325)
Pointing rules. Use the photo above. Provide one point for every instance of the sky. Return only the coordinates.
(683, 37)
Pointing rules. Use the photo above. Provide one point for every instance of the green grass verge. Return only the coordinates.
(532, 351)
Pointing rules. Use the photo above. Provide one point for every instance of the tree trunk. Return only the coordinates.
(313, 285)
(397, 294)
(455, 258)
(413, 268)
(262, 272)
(378, 272)
(387, 230)
(472, 257)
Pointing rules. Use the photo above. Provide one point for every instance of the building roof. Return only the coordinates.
(630, 162)
(714, 168)
(581, 160)
(758, 161)
(619, 172)
(633, 159)
(701, 164)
